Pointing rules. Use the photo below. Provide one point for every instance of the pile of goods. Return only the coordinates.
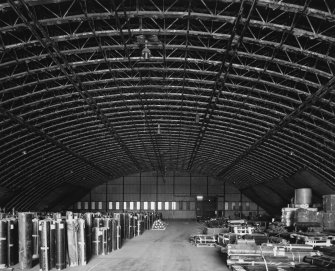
(159, 225)
(202, 240)
(215, 226)
(58, 241)
(246, 252)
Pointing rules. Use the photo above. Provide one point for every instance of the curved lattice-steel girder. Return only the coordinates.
(240, 90)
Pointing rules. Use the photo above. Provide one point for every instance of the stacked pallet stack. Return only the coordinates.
(159, 225)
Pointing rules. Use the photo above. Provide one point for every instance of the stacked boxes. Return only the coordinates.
(329, 212)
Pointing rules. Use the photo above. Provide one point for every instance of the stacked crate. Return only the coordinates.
(329, 212)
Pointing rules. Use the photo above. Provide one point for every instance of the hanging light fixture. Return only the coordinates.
(146, 53)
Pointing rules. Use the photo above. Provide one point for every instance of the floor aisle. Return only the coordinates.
(167, 250)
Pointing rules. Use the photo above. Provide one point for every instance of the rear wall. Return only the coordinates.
(174, 195)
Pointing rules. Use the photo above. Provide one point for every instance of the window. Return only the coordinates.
(181, 205)
(125, 205)
(152, 205)
(145, 205)
(110, 205)
(117, 205)
(93, 205)
(138, 205)
(166, 205)
(131, 205)
(226, 206)
(79, 205)
(100, 205)
(85, 205)
(159, 205)
(174, 207)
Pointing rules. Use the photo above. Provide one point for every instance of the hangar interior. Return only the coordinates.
(193, 109)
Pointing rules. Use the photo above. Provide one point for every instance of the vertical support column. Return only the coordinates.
(224, 199)
(90, 208)
(107, 197)
(140, 194)
(241, 208)
(156, 190)
(123, 193)
(190, 184)
(173, 184)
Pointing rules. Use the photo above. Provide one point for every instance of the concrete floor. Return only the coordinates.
(156, 250)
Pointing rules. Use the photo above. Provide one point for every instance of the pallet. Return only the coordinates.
(206, 245)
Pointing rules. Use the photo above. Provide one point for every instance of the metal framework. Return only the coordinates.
(242, 90)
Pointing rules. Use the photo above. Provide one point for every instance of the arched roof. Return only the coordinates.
(242, 90)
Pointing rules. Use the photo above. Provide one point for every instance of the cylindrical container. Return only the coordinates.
(60, 251)
(72, 241)
(88, 229)
(35, 236)
(113, 233)
(303, 196)
(104, 240)
(12, 237)
(96, 241)
(127, 226)
(3, 243)
(97, 222)
(52, 243)
(107, 223)
(25, 240)
(57, 216)
(69, 215)
(44, 237)
(81, 242)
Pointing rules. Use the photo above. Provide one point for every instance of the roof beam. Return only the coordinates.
(56, 55)
(148, 121)
(51, 140)
(220, 83)
(310, 100)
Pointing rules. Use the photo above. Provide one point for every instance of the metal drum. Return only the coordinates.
(81, 242)
(60, 255)
(44, 255)
(3, 243)
(25, 240)
(303, 197)
(12, 237)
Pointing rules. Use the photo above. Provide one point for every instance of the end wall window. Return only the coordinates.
(110, 205)
(79, 205)
(166, 205)
(117, 205)
(174, 205)
(159, 205)
(145, 205)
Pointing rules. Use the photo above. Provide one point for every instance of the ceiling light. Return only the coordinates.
(146, 53)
